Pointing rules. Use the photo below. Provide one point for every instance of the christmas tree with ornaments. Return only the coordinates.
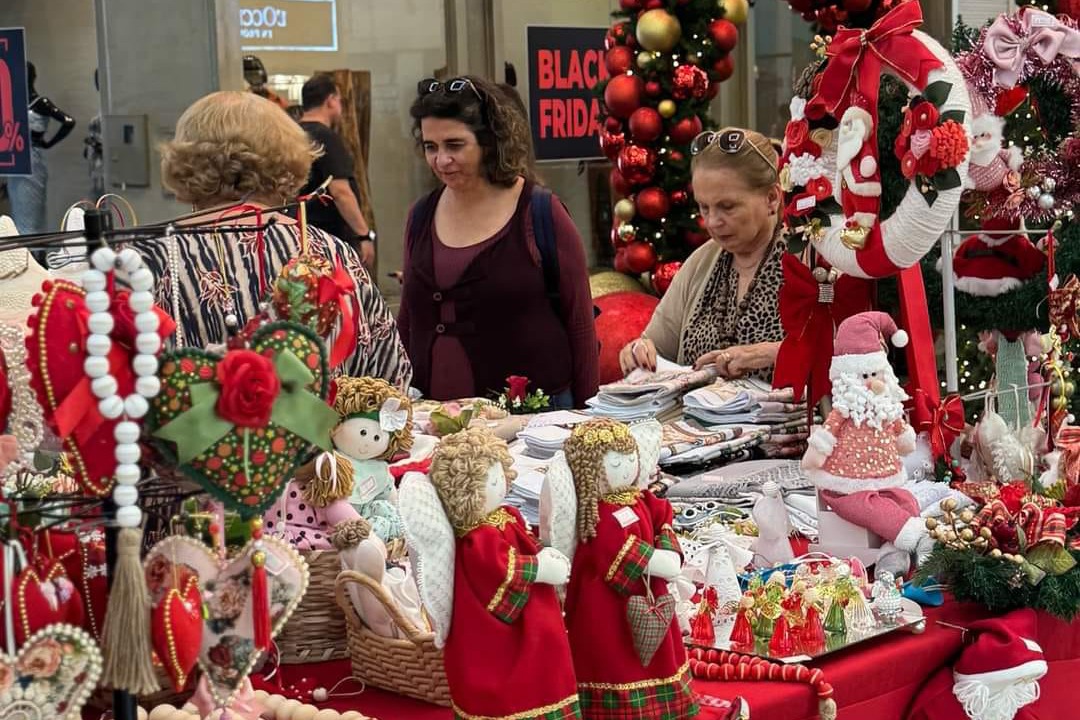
(666, 59)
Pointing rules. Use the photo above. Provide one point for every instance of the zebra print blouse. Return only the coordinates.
(212, 267)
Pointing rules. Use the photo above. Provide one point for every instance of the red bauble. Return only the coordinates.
(619, 185)
(724, 68)
(689, 81)
(653, 88)
(675, 156)
(623, 317)
(663, 275)
(620, 261)
(685, 130)
(679, 197)
(653, 4)
(640, 257)
(646, 125)
(613, 125)
(619, 59)
(630, 4)
(623, 95)
(637, 164)
(612, 144)
(652, 203)
(695, 239)
(725, 35)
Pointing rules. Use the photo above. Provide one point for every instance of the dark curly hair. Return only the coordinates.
(497, 118)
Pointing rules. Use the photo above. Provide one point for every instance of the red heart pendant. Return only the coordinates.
(176, 630)
(43, 597)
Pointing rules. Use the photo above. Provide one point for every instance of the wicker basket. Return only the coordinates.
(316, 630)
(410, 666)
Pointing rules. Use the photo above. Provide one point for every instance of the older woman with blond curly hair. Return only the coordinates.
(233, 153)
(495, 274)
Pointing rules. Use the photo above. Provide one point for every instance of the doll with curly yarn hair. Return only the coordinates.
(354, 479)
(506, 651)
(626, 554)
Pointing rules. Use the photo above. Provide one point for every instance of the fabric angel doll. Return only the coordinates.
(488, 586)
(628, 649)
(354, 479)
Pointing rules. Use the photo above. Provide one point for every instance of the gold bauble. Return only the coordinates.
(1061, 402)
(658, 30)
(967, 516)
(644, 58)
(986, 533)
(967, 535)
(609, 281)
(948, 504)
(854, 238)
(735, 11)
(625, 210)
(1070, 388)
(995, 553)
(931, 523)
(666, 108)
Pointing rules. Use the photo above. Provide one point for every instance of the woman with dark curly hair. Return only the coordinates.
(236, 151)
(495, 282)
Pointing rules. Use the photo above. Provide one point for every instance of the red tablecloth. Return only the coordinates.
(882, 679)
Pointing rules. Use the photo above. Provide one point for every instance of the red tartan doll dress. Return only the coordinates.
(607, 570)
(507, 654)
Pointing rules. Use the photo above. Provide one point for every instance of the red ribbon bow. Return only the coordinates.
(857, 56)
(809, 316)
(339, 287)
(942, 422)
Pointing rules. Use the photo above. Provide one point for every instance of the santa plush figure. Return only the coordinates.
(990, 162)
(860, 176)
(855, 458)
(995, 262)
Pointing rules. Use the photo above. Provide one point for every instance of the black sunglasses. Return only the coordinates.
(729, 141)
(430, 85)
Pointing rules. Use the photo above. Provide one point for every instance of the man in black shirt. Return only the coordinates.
(322, 108)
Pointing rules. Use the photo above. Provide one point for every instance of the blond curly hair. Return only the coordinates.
(458, 471)
(356, 395)
(233, 145)
(585, 450)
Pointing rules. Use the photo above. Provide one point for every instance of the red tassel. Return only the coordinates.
(260, 591)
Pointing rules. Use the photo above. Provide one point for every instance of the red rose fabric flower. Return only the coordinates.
(925, 116)
(516, 387)
(901, 145)
(248, 387)
(928, 165)
(1013, 495)
(797, 133)
(820, 187)
(908, 125)
(801, 205)
(908, 165)
(949, 144)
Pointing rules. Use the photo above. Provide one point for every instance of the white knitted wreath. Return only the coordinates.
(915, 226)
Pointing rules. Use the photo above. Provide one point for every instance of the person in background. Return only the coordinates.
(722, 308)
(29, 192)
(322, 109)
(234, 148)
(487, 293)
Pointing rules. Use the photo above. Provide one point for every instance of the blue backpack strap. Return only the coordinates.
(543, 223)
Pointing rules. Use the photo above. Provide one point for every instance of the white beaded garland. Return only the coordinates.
(125, 495)
(104, 385)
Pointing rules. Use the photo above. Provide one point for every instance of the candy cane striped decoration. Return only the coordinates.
(721, 665)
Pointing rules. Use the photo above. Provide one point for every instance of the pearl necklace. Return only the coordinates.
(145, 364)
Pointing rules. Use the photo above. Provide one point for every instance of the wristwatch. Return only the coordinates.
(369, 237)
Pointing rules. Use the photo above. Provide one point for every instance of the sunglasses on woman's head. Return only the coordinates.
(729, 141)
(430, 85)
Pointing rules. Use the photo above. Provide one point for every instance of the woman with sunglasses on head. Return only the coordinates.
(722, 307)
(495, 277)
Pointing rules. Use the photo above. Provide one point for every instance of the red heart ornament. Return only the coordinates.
(43, 596)
(56, 350)
(176, 630)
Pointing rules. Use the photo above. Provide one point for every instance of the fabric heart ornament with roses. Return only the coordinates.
(240, 423)
(51, 677)
(56, 350)
(227, 652)
(176, 620)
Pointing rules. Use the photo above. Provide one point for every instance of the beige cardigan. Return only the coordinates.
(666, 327)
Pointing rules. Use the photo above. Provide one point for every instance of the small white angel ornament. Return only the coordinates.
(487, 585)
(620, 613)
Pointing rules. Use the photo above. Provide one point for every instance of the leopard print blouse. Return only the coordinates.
(718, 321)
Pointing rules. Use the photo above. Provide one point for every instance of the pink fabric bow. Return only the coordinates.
(1043, 35)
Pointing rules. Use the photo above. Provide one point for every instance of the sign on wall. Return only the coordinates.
(565, 64)
(289, 25)
(14, 104)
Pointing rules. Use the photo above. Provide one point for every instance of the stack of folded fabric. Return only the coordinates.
(686, 443)
(742, 400)
(644, 394)
(545, 434)
(524, 492)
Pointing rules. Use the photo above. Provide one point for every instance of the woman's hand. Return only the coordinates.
(739, 360)
(640, 353)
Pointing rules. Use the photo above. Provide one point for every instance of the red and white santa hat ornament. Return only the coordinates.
(860, 344)
(996, 263)
(998, 674)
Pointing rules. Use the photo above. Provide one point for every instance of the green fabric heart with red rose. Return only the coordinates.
(240, 424)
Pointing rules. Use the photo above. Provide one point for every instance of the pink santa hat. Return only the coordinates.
(860, 343)
(999, 672)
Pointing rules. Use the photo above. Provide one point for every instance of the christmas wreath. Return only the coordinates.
(833, 135)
